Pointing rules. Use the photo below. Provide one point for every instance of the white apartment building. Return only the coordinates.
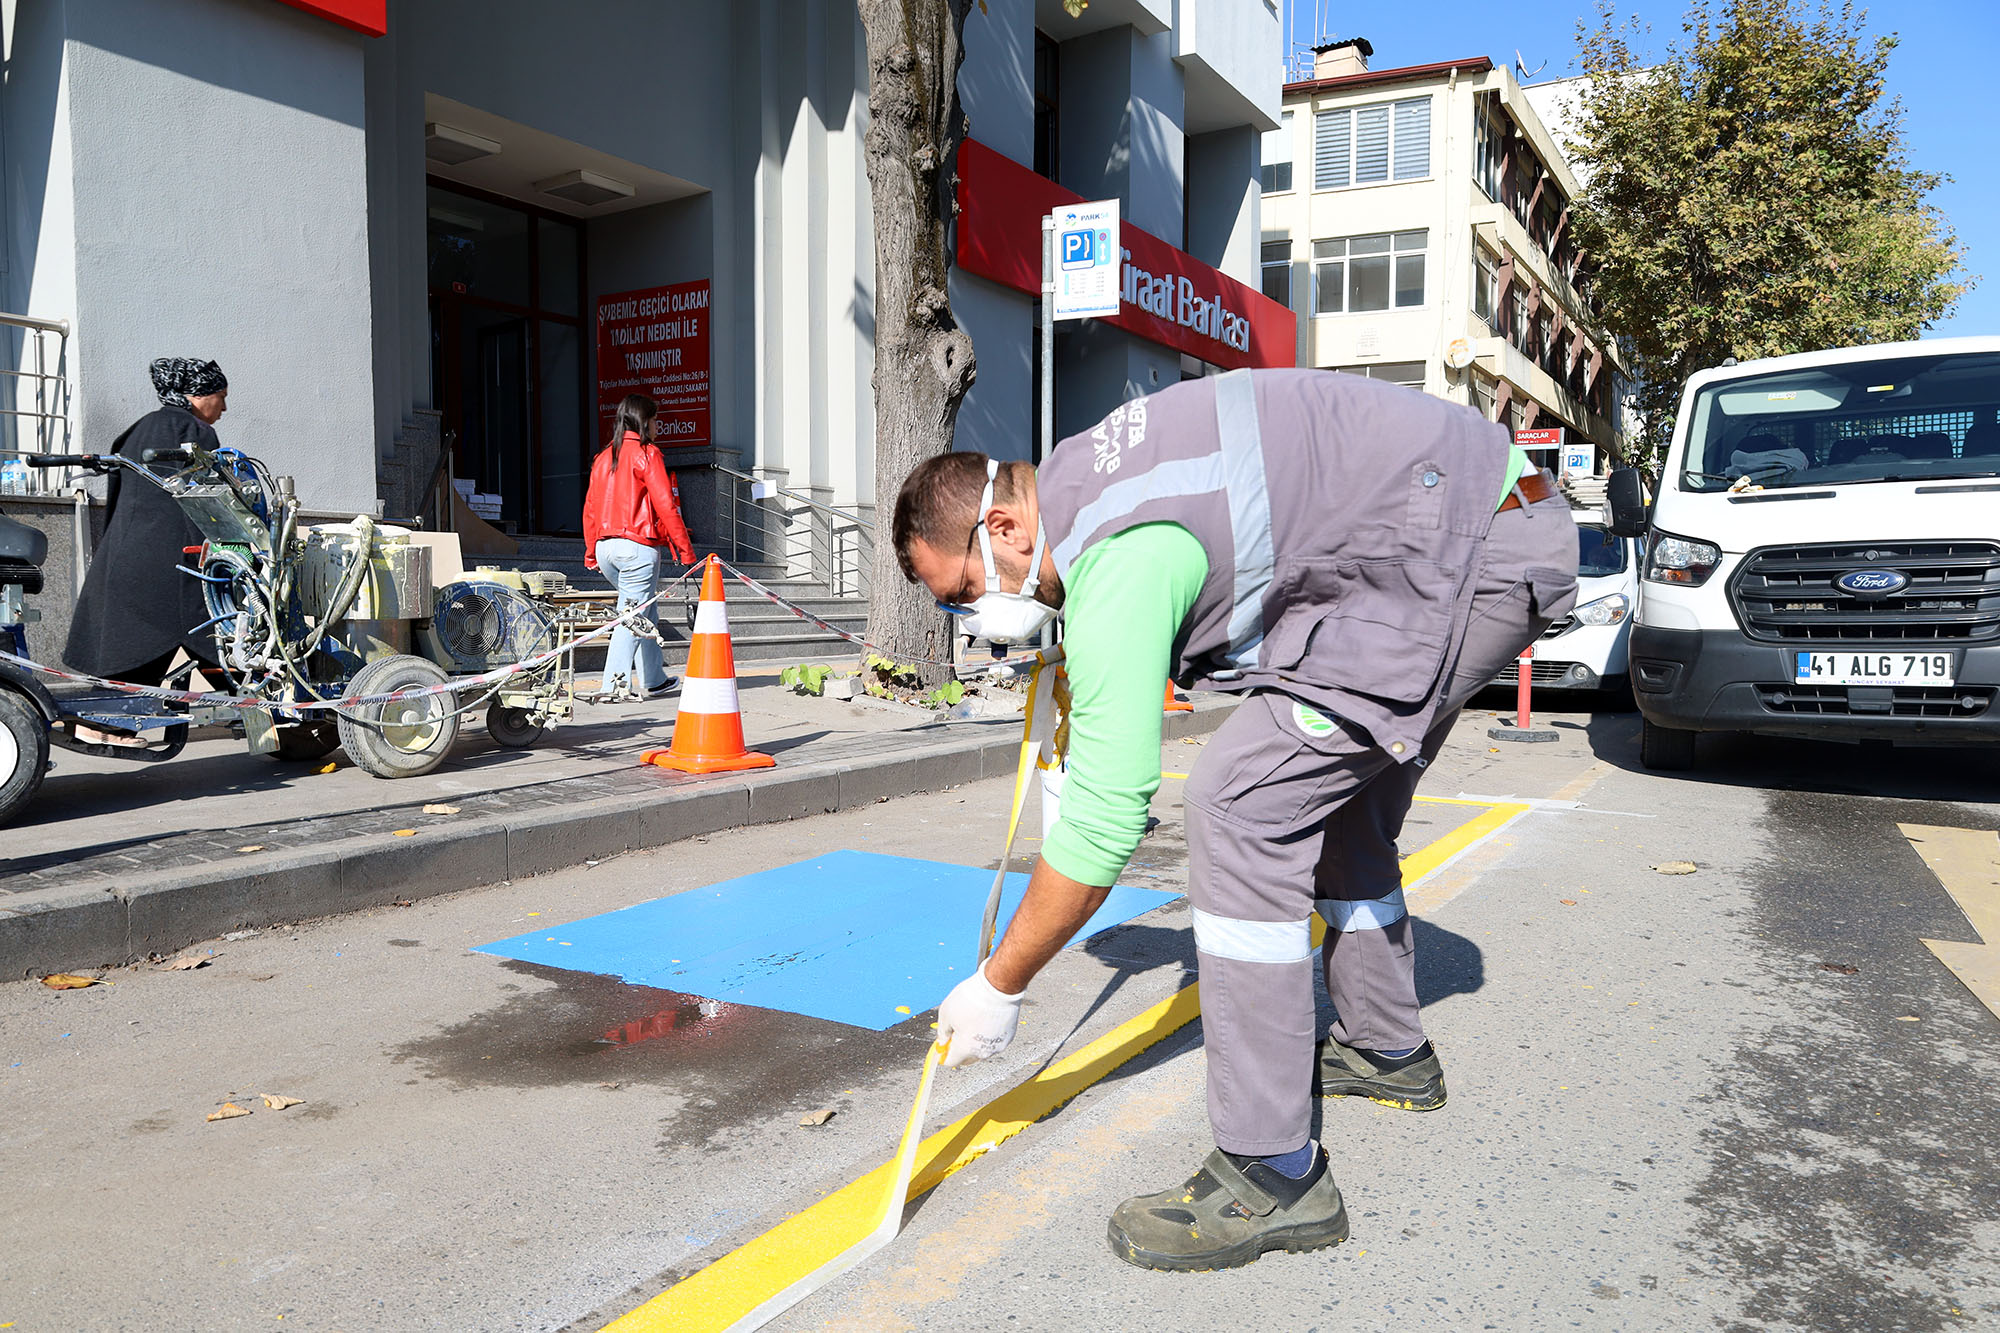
(1418, 220)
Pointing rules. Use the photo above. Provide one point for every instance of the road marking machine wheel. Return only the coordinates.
(24, 753)
(404, 738)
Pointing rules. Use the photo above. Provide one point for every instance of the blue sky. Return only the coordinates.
(1942, 71)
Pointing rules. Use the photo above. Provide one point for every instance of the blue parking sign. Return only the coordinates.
(1079, 249)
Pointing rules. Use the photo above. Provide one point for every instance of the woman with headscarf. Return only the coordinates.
(137, 610)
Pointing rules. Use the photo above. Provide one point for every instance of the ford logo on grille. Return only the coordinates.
(1872, 582)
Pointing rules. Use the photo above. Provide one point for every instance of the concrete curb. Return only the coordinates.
(70, 928)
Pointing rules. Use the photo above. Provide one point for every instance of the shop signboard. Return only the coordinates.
(655, 341)
(1087, 259)
(370, 17)
(1165, 295)
(1550, 437)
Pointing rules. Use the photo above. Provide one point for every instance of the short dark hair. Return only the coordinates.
(939, 502)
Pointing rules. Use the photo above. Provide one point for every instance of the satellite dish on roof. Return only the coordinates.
(1458, 353)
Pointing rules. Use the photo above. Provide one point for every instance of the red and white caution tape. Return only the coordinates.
(457, 685)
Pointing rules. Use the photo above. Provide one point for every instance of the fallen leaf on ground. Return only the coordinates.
(819, 1117)
(70, 981)
(227, 1111)
(330, 767)
(400, 902)
(188, 962)
(1567, 902)
(406, 833)
(1676, 867)
(440, 809)
(253, 847)
(278, 1101)
(1845, 969)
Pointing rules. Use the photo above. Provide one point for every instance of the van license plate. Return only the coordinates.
(1873, 669)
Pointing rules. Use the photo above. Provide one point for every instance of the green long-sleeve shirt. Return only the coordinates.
(1125, 600)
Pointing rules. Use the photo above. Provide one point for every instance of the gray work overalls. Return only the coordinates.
(1360, 588)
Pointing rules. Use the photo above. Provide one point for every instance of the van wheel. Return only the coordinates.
(24, 753)
(1665, 749)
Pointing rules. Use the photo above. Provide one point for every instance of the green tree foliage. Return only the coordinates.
(1749, 195)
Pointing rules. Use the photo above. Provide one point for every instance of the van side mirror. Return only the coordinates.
(1625, 502)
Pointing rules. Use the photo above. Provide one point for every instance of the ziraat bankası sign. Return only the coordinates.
(1168, 296)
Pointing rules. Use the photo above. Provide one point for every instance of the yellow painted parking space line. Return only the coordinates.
(1967, 862)
(713, 1299)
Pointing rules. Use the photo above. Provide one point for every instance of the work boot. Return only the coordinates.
(1414, 1082)
(1229, 1212)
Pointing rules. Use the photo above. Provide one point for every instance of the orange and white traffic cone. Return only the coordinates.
(708, 729)
(1177, 705)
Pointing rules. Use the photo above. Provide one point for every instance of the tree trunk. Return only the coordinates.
(923, 360)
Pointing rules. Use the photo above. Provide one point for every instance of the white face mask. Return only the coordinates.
(997, 616)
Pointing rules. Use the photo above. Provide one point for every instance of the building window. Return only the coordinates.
(1489, 149)
(1485, 393)
(1367, 145)
(1518, 331)
(1277, 265)
(1048, 94)
(1360, 273)
(1409, 374)
(1275, 175)
(1485, 286)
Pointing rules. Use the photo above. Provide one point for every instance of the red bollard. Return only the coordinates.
(1525, 666)
(1520, 730)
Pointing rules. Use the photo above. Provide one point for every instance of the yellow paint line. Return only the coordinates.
(716, 1297)
(732, 1286)
(1181, 776)
(1432, 858)
(1967, 862)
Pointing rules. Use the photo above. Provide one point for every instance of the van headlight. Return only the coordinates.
(1679, 560)
(1605, 610)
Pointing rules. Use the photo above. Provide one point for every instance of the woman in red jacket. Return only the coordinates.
(632, 510)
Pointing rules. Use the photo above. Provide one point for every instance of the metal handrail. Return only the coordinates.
(48, 405)
(33, 322)
(791, 494)
(811, 539)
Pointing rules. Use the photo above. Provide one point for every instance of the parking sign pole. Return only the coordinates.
(1048, 406)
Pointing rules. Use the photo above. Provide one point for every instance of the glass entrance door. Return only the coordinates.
(506, 289)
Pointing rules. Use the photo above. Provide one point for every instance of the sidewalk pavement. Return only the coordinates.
(116, 861)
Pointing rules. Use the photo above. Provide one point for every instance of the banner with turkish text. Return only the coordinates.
(654, 341)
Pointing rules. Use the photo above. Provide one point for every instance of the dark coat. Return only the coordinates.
(135, 605)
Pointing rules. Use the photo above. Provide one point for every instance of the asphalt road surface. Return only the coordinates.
(1743, 1098)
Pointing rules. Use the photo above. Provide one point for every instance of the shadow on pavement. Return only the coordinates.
(1872, 768)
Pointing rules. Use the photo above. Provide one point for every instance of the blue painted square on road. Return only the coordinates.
(848, 936)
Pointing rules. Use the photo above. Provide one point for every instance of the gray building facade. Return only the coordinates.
(396, 227)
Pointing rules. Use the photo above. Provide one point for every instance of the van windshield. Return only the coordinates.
(1912, 418)
(1599, 554)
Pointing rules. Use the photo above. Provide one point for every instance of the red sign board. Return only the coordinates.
(655, 341)
(364, 16)
(1547, 438)
(1170, 297)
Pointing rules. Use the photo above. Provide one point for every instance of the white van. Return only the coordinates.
(1824, 552)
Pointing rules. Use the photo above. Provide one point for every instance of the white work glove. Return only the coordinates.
(976, 1021)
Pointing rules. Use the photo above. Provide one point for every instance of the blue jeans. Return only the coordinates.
(633, 568)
